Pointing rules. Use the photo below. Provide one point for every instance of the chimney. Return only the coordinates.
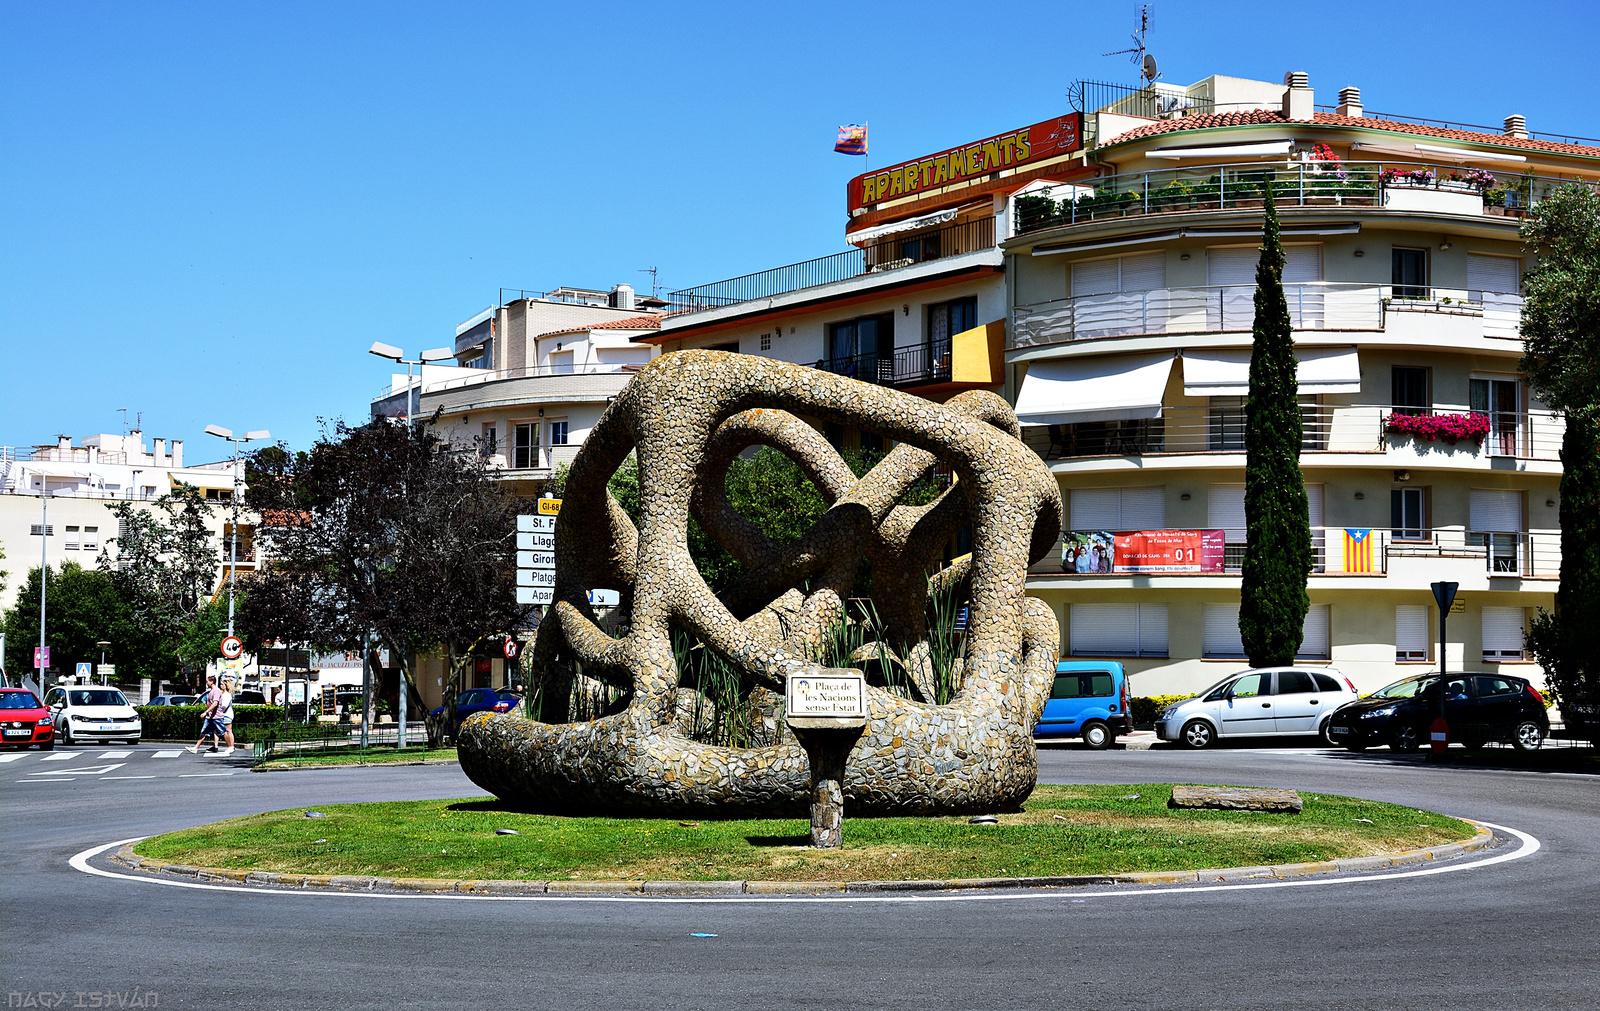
(161, 451)
(1517, 126)
(177, 453)
(64, 446)
(1297, 95)
(622, 296)
(1350, 102)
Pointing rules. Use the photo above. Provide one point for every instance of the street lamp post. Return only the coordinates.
(103, 644)
(394, 354)
(44, 574)
(233, 550)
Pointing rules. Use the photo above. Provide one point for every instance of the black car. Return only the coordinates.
(1479, 708)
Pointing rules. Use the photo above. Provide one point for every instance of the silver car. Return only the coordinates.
(1263, 702)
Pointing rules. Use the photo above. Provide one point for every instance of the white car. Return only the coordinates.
(86, 713)
(1264, 702)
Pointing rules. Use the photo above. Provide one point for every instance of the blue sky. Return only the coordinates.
(208, 211)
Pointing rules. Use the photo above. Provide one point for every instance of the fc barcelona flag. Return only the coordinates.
(1358, 550)
(852, 140)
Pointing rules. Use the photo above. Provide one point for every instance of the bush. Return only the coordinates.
(1145, 708)
(182, 723)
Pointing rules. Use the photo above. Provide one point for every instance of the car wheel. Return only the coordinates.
(1096, 735)
(63, 734)
(1407, 737)
(49, 745)
(1328, 738)
(1528, 736)
(1198, 734)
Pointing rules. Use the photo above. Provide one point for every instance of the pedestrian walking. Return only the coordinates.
(224, 715)
(208, 725)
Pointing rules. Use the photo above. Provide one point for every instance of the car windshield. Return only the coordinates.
(18, 700)
(1409, 688)
(96, 697)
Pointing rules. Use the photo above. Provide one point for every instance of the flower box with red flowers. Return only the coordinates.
(1436, 427)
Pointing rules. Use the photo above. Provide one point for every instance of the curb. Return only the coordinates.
(441, 886)
(350, 765)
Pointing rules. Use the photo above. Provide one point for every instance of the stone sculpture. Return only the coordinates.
(687, 415)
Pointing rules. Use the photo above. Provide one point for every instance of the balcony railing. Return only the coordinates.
(1321, 305)
(1327, 429)
(913, 366)
(1511, 555)
(1525, 435)
(1501, 312)
(532, 372)
(1294, 184)
(889, 253)
(53, 454)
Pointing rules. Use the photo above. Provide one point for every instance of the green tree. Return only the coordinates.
(1561, 327)
(85, 607)
(164, 562)
(1278, 554)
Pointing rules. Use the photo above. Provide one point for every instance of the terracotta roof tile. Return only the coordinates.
(649, 322)
(1268, 117)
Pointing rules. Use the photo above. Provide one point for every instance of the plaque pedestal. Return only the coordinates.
(827, 749)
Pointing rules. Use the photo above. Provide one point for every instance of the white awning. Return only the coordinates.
(1227, 373)
(936, 218)
(1224, 150)
(1065, 392)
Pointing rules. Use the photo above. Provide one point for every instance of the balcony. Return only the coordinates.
(1191, 430)
(1513, 435)
(888, 254)
(1227, 308)
(1418, 554)
(1403, 186)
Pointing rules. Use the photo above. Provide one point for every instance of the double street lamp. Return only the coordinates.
(233, 550)
(394, 354)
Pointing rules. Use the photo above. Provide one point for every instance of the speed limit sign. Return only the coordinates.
(511, 648)
(232, 647)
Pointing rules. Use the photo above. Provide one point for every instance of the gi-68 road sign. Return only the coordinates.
(536, 558)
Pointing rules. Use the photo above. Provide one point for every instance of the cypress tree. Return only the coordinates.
(1278, 555)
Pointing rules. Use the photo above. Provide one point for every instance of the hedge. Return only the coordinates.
(182, 723)
(1146, 708)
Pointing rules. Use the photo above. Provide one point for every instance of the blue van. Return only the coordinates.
(1089, 700)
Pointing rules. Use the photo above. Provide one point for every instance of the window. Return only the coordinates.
(1225, 512)
(1252, 686)
(72, 539)
(1143, 272)
(525, 445)
(1496, 521)
(561, 363)
(1119, 508)
(1220, 639)
(1501, 400)
(1232, 269)
(91, 538)
(730, 346)
(946, 319)
(1411, 641)
(1407, 516)
(490, 442)
(1225, 433)
(766, 342)
(49, 531)
(1118, 629)
(1409, 390)
(1084, 685)
(861, 347)
(1502, 634)
(1492, 275)
(1295, 682)
(1409, 272)
(558, 433)
(1489, 687)
(1326, 683)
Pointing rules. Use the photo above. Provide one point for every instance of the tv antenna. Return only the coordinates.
(1141, 59)
(655, 288)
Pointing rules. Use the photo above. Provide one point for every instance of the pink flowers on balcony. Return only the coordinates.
(1434, 427)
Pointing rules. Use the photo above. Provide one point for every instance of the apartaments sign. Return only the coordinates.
(1050, 139)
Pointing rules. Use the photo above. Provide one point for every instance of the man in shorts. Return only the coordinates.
(224, 716)
(209, 726)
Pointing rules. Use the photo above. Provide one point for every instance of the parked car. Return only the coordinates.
(1479, 708)
(1089, 699)
(473, 700)
(174, 700)
(1262, 702)
(249, 697)
(84, 713)
(24, 722)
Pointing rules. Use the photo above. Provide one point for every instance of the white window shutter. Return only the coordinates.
(1498, 511)
(1500, 274)
(1096, 508)
(1104, 629)
(1302, 264)
(1502, 633)
(1144, 508)
(1411, 636)
(1231, 265)
(1225, 510)
(1152, 630)
(1145, 272)
(1094, 277)
(1315, 637)
(1219, 635)
(1314, 504)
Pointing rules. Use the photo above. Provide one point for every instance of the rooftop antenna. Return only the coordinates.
(124, 411)
(655, 289)
(1141, 59)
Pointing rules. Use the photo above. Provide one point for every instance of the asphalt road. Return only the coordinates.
(1520, 934)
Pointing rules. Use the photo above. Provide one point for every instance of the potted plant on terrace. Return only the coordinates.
(1451, 428)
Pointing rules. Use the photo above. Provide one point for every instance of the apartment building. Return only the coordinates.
(1426, 457)
(81, 481)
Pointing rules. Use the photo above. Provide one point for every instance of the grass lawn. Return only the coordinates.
(1063, 830)
(355, 756)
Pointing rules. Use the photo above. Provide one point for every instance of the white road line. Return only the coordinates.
(11, 758)
(202, 775)
(66, 780)
(116, 754)
(127, 777)
(167, 754)
(98, 770)
(59, 757)
(1529, 847)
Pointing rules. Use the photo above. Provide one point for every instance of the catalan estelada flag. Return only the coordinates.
(852, 140)
(1358, 550)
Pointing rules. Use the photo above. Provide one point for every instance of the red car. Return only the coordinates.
(23, 721)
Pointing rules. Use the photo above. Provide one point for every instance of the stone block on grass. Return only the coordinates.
(1223, 798)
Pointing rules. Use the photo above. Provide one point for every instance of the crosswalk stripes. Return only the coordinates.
(11, 758)
(168, 754)
(107, 765)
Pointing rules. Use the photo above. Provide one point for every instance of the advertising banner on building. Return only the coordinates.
(1036, 143)
(1143, 551)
